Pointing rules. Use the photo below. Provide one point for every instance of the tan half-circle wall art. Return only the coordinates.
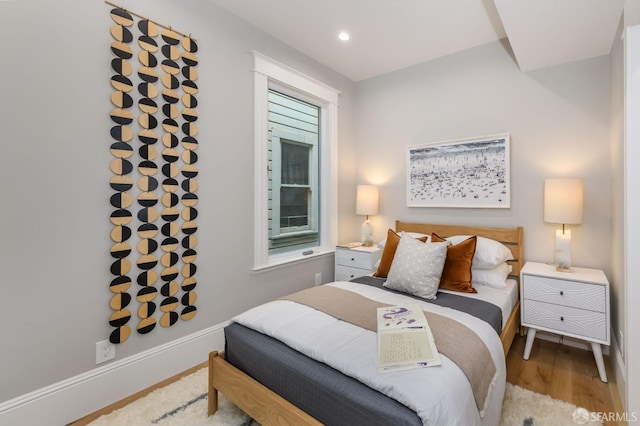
(153, 144)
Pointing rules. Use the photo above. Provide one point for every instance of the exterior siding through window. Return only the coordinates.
(293, 173)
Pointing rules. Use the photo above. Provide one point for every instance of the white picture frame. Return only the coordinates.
(466, 173)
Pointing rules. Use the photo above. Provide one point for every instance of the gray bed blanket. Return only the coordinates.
(486, 311)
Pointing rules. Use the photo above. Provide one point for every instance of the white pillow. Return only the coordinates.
(417, 267)
(495, 277)
(382, 243)
(489, 253)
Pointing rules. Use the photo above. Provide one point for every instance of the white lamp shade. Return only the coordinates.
(367, 200)
(563, 200)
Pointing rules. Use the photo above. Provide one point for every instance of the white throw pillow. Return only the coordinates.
(417, 267)
(489, 253)
(495, 277)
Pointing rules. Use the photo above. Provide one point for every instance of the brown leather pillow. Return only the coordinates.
(456, 274)
(389, 252)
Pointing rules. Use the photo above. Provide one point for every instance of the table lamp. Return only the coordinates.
(563, 200)
(367, 204)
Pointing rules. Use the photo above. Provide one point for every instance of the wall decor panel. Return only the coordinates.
(170, 213)
(121, 168)
(147, 168)
(189, 185)
(163, 261)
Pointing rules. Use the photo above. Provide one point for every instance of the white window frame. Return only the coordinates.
(278, 137)
(269, 73)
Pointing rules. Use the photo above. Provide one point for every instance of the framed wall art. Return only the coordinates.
(472, 173)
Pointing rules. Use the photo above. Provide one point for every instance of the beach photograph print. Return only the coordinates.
(471, 173)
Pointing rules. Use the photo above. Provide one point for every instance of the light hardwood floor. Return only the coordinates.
(560, 371)
(566, 373)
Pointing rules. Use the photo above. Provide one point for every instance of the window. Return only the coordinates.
(295, 190)
(296, 135)
(293, 166)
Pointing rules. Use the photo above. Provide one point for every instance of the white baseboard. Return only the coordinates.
(76, 397)
(619, 371)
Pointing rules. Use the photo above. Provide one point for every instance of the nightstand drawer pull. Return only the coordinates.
(561, 318)
(561, 293)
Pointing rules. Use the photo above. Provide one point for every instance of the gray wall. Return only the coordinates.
(558, 120)
(54, 174)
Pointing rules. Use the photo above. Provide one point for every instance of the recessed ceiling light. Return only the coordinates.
(344, 36)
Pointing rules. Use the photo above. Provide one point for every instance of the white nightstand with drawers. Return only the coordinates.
(574, 304)
(355, 262)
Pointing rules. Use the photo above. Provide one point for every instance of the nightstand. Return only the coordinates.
(574, 304)
(355, 262)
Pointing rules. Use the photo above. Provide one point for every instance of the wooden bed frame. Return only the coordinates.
(269, 408)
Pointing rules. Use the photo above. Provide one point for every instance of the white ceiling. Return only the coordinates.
(388, 35)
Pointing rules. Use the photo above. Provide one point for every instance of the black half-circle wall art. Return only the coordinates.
(147, 169)
(153, 203)
(189, 172)
(169, 200)
(121, 183)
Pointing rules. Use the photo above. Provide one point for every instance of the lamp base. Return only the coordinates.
(563, 250)
(367, 234)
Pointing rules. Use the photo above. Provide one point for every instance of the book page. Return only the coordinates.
(404, 347)
(404, 339)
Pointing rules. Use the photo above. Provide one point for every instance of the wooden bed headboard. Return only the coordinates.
(510, 237)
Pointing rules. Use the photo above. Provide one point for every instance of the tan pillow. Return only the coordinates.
(389, 252)
(456, 274)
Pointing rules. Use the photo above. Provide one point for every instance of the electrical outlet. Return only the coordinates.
(318, 278)
(105, 350)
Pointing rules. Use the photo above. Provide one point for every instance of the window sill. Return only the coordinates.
(293, 235)
(293, 260)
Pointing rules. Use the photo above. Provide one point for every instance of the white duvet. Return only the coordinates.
(440, 395)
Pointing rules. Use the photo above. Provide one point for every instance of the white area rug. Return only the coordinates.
(523, 407)
(185, 403)
(181, 403)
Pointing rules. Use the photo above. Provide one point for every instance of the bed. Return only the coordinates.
(274, 383)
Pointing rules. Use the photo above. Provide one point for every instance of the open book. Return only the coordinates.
(404, 339)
